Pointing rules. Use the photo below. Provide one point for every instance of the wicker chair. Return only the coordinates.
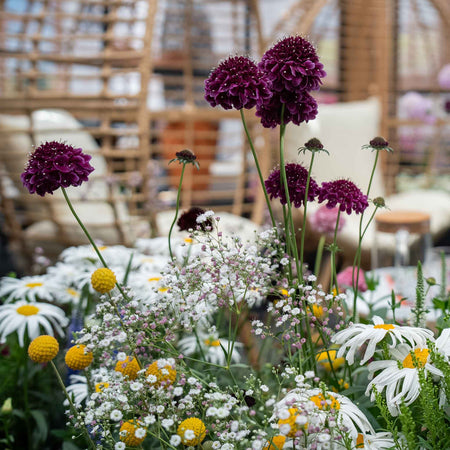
(121, 80)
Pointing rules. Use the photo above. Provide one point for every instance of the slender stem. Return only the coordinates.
(289, 225)
(86, 232)
(72, 406)
(176, 209)
(333, 256)
(25, 394)
(319, 254)
(305, 204)
(255, 157)
(357, 259)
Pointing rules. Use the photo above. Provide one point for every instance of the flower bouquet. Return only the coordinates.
(210, 342)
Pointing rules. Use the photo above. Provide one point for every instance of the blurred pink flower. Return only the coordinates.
(413, 105)
(344, 278)
(444, 77)
(324, 220)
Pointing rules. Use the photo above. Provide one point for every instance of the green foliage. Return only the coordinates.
(409, 427)
(420, 311)
(434, 421)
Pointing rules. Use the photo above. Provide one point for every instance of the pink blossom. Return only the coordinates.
(444, 77)
(324, 220)
(344, 278)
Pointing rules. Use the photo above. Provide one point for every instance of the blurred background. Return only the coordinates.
(123, 79)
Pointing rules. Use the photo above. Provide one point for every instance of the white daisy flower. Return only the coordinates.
(22, 316)
(443, 343)
(376, 441)
(68, 295)
(317, 406)
(32, 288)
(77, 389)
(355, 336)
(210, 346)
(399, 376)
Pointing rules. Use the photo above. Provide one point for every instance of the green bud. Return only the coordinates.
(7, 406)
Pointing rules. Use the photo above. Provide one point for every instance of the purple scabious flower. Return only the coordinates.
(299, 107)
(54, 165)
(237, 83)
(345, 194)
(296, 176)
(292, 65)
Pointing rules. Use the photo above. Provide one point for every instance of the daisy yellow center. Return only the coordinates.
(324, 403)
(34, 285)
(360, 441)
(384, 326)
(27, 310)
(102, 247)
(154, 279)
(188, 240)
(212, 342)
(100, 386)
(163, 289)
(72, 292)
(421, 356)
(291, 421)
(284, 292)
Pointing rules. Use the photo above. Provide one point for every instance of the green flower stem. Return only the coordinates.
(319, 254)
(176, 209)
(305, 204)
(289, 224)
(255, 157)
(86, 232)
(72, 406)
(334, 249)
(357, 259)
(26, 404)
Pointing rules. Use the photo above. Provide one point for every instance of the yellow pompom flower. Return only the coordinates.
(132, 434)
(43, 349)
(103, 280)
(191, 431)
(77, 358)
(328, 360)
(163, 372)
(276, 443)
(129, 367)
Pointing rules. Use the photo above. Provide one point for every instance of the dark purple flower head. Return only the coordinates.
(237, 83)
(292, 65)
(188, 220)
(299, 107)
(378, 143)
(296, 176)
(345, 194)
(54, 165)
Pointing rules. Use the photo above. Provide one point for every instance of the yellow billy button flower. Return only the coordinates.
(161, 372)
(191, 431)
(132, 434)
(43, 349)
(291, 421)
(103, 280)
(328, 360)
(77, 358)
(129, 367)
(276, 443)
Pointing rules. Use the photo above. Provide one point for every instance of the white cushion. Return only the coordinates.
(342, 128)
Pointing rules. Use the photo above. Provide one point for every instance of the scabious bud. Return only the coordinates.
(379, 202)
(378, 143)
(185, 156)
(313, 145)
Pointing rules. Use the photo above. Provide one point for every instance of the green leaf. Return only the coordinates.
(41, 423)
